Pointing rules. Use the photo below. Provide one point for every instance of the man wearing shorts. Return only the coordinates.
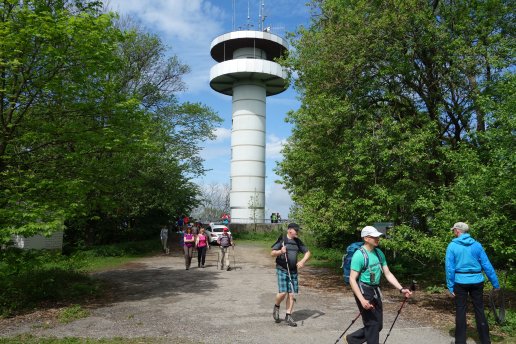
(285, 249)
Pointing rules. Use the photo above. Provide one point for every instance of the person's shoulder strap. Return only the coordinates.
(379, 254)
(366, 258)
(298, 243)
(280, 239)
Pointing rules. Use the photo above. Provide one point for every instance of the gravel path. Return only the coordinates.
(156, 297)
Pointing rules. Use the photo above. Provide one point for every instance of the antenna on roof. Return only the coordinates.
(249, 24)
(262, 16)
(234, 9)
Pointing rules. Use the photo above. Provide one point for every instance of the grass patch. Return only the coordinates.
(72, 313)
(321, 257)
(32, 279)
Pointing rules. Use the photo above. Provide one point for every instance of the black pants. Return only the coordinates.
(476, 292)
(201, 255)
(372, 319)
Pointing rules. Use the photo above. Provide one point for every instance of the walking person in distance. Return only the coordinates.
(225, 241)
(202, 244)
(188, 245)
(164, 239)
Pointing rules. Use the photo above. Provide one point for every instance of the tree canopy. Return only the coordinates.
(91, 130)
(407, 116)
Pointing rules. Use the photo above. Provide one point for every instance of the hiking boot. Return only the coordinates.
(275, 314)
(290, 321)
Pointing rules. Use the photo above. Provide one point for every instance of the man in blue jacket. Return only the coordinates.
(465, 260)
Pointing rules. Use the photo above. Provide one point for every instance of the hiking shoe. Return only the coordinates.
(275, 314)
(290, 321)
(229, 268)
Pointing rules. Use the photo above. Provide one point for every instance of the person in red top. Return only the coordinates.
(188, 244)
(202, 244)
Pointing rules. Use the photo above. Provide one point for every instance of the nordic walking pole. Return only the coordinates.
(289, 276)
(412, 288)
(373, 301)
(234, 260)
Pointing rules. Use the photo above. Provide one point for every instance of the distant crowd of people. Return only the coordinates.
(275, 218)
(192, 236)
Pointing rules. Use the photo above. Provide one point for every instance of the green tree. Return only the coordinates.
(54, 57)
(392, 94)
(92, 134)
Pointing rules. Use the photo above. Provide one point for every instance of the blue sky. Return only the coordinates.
(187, 27)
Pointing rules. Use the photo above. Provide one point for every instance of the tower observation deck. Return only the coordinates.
(246, 71)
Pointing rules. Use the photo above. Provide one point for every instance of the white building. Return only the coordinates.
(246, 71)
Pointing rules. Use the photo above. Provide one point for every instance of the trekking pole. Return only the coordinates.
(289, 276)
(373, 301)
(234, 260)
(412, 288)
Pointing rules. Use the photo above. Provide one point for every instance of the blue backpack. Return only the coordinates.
(346, 259)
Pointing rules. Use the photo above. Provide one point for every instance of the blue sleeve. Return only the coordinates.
(450, 268)
(488, 268)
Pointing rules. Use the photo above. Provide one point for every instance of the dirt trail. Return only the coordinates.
(156, 297)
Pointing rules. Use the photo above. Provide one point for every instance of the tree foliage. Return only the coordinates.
(92, 135)
(407, 115)
(213, 202)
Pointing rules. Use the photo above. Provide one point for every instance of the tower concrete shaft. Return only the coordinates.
(247, 72)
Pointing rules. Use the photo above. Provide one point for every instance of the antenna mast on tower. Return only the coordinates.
(262, 15)
(234, 9)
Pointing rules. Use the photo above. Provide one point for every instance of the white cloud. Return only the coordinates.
(222, 134)
(187, 26)
(215, 152)
(274, 147)
(278, 200)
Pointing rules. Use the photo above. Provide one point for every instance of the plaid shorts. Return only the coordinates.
(284, 281)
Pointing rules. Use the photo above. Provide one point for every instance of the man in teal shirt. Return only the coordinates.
(365, 283)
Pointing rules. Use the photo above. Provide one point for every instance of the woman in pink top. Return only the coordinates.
(202, 244)
(188, 245)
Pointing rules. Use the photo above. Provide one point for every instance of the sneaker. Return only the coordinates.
(275, 314)
(229, 268)
(290, 321)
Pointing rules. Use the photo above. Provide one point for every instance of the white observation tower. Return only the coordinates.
(246, 71)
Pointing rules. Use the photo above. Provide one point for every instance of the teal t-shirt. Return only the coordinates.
(357, 264)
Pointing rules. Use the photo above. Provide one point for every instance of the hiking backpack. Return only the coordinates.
(346, 259)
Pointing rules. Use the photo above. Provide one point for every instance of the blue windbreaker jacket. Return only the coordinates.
(465, 260)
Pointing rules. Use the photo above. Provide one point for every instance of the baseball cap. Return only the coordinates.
(225, 229)
(294, 226)
(370, 231)
(461, 226)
